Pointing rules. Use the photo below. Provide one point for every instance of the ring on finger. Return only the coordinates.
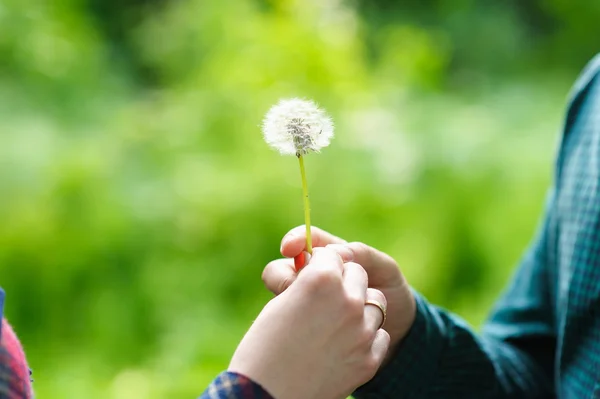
(381, 307)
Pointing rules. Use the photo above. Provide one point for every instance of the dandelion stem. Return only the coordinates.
(306, 205)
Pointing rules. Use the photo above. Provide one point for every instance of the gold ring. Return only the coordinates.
(381, 307)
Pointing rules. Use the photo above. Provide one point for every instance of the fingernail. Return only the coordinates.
(343, 251)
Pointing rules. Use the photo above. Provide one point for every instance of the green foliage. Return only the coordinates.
(139, 203)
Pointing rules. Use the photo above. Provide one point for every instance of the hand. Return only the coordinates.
(382, 270)
(318, 339)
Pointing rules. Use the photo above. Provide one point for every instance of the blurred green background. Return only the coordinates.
(139, 202)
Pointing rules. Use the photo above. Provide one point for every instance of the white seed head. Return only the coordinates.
(297, 127)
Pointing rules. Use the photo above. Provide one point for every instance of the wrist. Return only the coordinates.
(274, 380)
(234, 381)
(256, 376)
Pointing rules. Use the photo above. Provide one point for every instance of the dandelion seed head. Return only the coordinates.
(297, 127)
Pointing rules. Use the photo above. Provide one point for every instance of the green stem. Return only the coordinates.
(306, 205)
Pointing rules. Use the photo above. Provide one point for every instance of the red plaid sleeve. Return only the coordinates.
(234, 386)
(14, 373)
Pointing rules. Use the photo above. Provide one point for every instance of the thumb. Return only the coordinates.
(382, 269)
(279, 274)
(294, 242)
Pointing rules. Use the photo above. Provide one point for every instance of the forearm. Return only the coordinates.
(442, 357)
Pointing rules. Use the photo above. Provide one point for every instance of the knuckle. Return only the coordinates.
(365, 253)
(283, 284)
(359, 247)
(371, 365)
(377, 295)
(365, 338)
(354, 306)
(358, 268)
(321, 279)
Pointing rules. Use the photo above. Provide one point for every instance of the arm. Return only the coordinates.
(512, 358)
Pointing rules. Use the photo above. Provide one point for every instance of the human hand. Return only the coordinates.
(317, 339)
(382, 270)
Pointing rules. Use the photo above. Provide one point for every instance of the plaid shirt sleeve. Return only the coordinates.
(230, 385)
(14, 374)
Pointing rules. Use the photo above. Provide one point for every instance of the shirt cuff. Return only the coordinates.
(415, 360)
(230, 385)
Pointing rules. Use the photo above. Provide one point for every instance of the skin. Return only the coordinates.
(383, 274)
(317, 339)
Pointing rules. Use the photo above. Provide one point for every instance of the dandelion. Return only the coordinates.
(298, 127)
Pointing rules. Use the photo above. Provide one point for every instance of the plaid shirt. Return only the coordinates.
(14, 374)
(543, 338)
(234, 386)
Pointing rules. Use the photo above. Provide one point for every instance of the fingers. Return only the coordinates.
(324, 258)
(355, 282)
(278, 275)
(294, 242)
(380, 347)
(368, 256)
(342, 250)
(374, 316)
(324, 268)
(375, 262)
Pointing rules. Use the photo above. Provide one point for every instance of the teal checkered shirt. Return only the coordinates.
(543, 338)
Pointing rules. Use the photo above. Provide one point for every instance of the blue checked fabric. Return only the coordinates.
(234, 386)
(543, 338)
